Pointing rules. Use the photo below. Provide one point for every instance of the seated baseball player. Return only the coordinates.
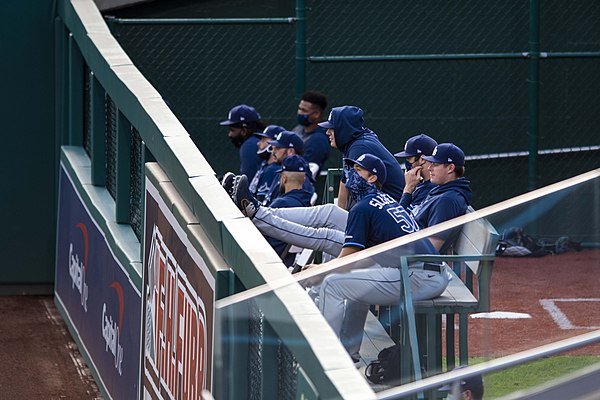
(292, 194)
(262, 180)
(322, 227)
(417, 182)
(344, 298)
(285, 144)
(449, 198)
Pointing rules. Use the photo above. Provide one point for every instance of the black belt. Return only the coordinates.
(432, 267)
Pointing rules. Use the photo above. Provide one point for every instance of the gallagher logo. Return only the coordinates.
(78, 266)
(111, 331)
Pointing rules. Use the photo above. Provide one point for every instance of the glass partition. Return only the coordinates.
(517, 275)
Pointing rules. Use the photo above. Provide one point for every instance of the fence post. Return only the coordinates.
(75, 93)
(97, 98)
(123, 176)
(300, 48)
(534, 87)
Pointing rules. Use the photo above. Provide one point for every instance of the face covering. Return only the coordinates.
(265, 153)
(407, 165)
(357, 186)
(303, 119)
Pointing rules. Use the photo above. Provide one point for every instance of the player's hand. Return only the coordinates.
(412, 178)
(307, 266)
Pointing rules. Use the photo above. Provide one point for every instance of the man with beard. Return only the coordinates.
(286, 144)
(243, 121)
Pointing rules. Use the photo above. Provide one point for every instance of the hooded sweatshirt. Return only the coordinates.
(354, 140)
(443, 203)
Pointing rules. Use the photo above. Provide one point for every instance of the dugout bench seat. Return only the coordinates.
(468, 292)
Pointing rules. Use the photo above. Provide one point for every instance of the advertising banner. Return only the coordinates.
(100, 301)
(178, 309)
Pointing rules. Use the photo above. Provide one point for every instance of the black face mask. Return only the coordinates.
(303, 120)
(265, 153)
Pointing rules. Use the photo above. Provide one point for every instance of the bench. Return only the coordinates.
(472, 259)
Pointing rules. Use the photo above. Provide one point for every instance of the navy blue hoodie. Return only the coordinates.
(443, 203)
(354, 140)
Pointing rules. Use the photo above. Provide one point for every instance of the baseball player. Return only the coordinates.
(316, 144)
(243, 121)
(451, 195)
(344, 298)
(417, 184)
(261, 183)
(293, 194)
(285, 144)
(347, 133)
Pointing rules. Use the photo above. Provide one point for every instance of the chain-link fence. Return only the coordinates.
(203, 70)
(460, 72)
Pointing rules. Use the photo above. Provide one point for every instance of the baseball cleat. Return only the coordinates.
(242, 198)
(227, 182)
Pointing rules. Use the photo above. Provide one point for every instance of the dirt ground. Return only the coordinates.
(40, 360)
(561, 293)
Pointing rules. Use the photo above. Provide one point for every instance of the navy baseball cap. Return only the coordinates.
(447, 153)
(293, 163)
(420, 145)
(351, 113)
(288, 140)
(270, 131)
(372, 164)
(240, 115)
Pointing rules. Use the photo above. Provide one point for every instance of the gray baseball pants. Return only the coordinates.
(344, 298)
(319, 228)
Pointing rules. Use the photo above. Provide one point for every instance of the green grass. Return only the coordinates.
(530, 375)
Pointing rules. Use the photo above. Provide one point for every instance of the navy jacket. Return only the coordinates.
(316, 145)
(354, 140)
(274, 189)
(249, 160)
(443, 203)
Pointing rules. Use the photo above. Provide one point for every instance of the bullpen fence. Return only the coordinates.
(145, 230)
(514, 83)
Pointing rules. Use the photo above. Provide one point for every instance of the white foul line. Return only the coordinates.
(559, 317)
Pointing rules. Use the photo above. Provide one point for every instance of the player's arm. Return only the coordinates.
(342, 201)
(437, 242)
(347, 250)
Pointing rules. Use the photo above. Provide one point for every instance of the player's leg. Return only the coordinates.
(327, 240)
(426, 284)
(323, 216)
(345, 299)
